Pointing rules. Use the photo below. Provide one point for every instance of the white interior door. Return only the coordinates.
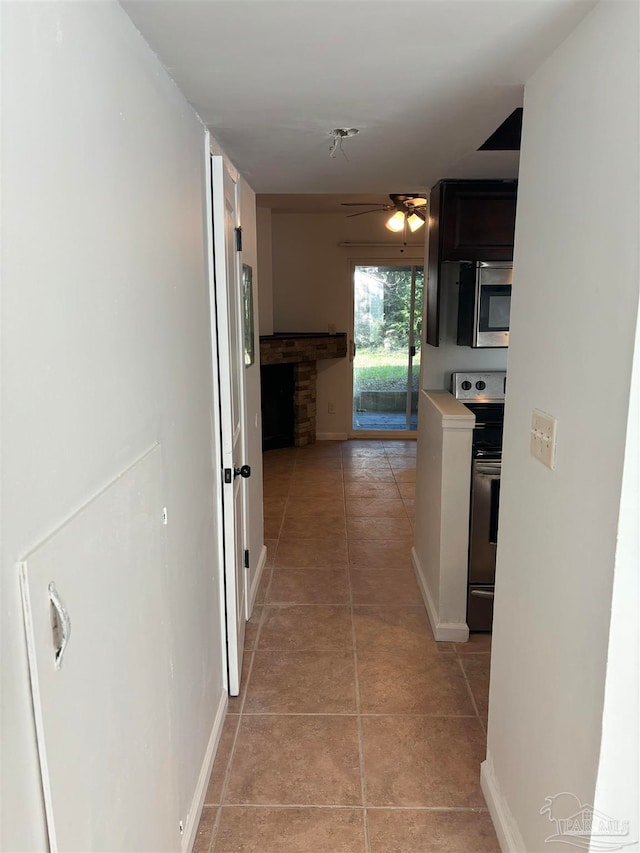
(230, 352)
(97, 621)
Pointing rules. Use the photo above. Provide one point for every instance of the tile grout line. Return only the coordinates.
(342, 807)
(284, 515)
(225, 782)
(232, 751)
(363, 780)
(227, 774)
(214, 831)
(275, 553)
(242, 714)
(347, 713)
(473, 698)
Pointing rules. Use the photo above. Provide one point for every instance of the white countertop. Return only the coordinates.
(454, 414)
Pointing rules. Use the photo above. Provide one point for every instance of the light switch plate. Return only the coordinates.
(543, 438)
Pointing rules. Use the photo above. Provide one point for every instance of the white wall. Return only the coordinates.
(105, 340)
(617, 785)
(312, 288)
(265, 262)
(573, 322)
(440, 362)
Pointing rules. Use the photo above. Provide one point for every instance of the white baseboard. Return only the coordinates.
(197, 802)
(449, 632)
(506, 828)
(383, 435)
(331, 436)
(262, 561)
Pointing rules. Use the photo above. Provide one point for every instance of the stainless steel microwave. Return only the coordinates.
(484, 303)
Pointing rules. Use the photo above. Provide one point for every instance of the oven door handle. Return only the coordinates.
(487, 467)
(485, 481)
(482, 593)
(493, 514)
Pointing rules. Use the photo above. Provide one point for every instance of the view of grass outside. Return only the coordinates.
(383, 319)
(381, 370)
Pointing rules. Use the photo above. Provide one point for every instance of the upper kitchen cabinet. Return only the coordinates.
(478, 220)
(469, 221)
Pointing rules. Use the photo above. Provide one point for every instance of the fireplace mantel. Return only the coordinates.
(302, 349)
(292, 347)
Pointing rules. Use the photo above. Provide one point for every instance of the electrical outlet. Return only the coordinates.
(331, 408)
(331, 328)
(543, 438)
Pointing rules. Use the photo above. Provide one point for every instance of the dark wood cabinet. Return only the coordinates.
(433, 269)
(469, 221)
(478, 221)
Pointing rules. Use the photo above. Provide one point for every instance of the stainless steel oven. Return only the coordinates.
(483, 538)
(483, 394)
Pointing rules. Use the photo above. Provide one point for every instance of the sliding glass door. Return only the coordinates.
(387, 321)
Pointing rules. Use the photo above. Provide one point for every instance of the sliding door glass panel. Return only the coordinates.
(416, 343)
(386, 365)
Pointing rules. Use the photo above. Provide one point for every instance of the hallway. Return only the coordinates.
(354, 730)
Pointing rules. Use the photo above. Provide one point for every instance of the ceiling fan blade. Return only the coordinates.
(363, 204)
(362, 213)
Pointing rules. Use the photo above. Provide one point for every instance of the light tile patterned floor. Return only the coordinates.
(354, 730)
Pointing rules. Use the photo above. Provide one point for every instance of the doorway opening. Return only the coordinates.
(387, 318)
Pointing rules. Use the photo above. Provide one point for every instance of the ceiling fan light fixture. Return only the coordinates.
(415, 222)
(396, 222)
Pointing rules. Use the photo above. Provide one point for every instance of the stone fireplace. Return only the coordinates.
(302, 349)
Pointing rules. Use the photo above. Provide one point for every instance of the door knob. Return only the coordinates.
(244, 471)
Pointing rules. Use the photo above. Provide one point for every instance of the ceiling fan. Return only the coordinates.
(409, 210)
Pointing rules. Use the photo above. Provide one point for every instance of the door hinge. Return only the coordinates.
(228, 475)
(246, 558)
(238, 239)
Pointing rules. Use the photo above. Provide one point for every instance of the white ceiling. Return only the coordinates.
(425, 81)
(319, 203)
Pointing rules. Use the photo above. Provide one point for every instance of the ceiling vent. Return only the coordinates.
(507, 136)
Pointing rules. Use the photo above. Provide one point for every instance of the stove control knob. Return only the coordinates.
(466, 385)
(480, 385)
